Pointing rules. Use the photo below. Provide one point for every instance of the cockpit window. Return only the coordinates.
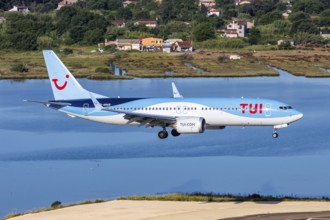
(285, 107)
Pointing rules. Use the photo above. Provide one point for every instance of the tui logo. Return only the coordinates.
(62, 86)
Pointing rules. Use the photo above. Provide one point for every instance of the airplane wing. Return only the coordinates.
(148, 120)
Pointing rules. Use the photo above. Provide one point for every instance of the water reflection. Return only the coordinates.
(78, 160)
(117, 71)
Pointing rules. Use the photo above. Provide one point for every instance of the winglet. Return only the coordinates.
(176, 93)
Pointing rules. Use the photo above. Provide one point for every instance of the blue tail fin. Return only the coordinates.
(64, 85)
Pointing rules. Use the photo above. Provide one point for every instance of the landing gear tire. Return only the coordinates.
(163, 134)
(175, 133)
(275, 135)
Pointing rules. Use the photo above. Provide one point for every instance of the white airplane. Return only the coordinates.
(183, 115)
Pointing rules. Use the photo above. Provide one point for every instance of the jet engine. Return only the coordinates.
(190, 125)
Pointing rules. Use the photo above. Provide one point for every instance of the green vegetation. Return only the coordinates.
(210, 197)
(88, 23)
(83, 62)
(71, 32)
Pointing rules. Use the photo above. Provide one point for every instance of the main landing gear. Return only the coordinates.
(275, 134)
(164, 134)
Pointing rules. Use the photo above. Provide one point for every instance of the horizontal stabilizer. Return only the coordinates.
(50, 103)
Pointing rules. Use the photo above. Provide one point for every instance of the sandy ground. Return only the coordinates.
(160, 210)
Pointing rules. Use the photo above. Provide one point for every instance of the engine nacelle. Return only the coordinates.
(190, 125)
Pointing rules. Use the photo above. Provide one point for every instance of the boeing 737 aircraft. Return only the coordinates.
(183, 115)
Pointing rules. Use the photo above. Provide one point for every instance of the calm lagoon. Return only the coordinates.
(46, 156)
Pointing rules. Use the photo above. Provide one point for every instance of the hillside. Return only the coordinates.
(92, 21)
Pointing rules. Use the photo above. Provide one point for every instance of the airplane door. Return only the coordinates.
(268, 109)
(85, 109)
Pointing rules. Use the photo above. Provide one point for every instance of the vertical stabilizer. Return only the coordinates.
(176, 93)
(64, 85)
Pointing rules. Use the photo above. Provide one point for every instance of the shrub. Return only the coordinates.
(55, 205)
(67, 51)
(102, 70)
(222, 58)
(19, 67)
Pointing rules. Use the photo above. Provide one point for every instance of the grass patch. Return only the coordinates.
(210, 197)
(84, 62)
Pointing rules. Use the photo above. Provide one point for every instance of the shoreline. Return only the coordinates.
(160, 210)
(84, 64)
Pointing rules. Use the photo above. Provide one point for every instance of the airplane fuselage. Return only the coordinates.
(217, 112)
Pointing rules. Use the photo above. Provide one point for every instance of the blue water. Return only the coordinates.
(46, 156)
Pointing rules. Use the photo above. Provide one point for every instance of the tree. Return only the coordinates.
(63, 19)
(124, 13)
(296, 16)
(270, 17)
(254, 36)
(45, 42)
(308, 6)
(282, 27)
(325, 18)
(114, 4)
(203, 31)
(93, 36)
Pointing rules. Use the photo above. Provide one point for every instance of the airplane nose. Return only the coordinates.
(297, 116)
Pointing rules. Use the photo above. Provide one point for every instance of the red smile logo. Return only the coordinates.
(60, 87)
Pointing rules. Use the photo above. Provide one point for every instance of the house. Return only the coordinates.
(65, 3)
(128, 44)
(234, 57)
(172, 41)
(249, 24)
(215, 12)
(242, 2)
(125, 3)
(239, 26)
(151, 43)
(230, 33)
(118, 23)
(167, 48)
(280, 42)
(20, 8)
(2, 20)
(122, 44)
(325, 36)
(285, 15)
(209, 4)
(183, 46)
(147, 22)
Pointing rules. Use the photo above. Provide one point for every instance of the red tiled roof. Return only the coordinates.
(147, 21)
(22, 7)
(184, 44)
(231, 32)
(240, 22)
(117, 22)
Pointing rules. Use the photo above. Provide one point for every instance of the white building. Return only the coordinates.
(23, 9)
